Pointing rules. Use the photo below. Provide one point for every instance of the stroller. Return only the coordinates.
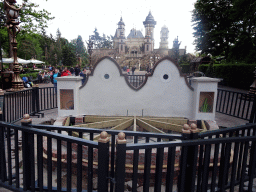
(26, 82)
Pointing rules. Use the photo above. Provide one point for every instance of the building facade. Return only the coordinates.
(138, 48)
(136, 45)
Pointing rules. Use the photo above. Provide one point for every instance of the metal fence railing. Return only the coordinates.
(235, 104)
(136, 80)
(31, 101)
(217, 160)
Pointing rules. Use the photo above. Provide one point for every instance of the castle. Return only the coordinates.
(137, 48)
(135, 45)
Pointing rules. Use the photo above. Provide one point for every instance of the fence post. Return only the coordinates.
(27, 138)
(35, 99)
(120, 161)
(2, 109)
(253, 112)
(3, 174)
(103, 162)
(188, 160)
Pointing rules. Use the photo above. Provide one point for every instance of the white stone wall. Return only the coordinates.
(159, 96)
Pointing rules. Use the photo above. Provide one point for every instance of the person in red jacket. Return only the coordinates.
(65, 72)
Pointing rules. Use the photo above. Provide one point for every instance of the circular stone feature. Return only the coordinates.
(106, 76)
(166, 76)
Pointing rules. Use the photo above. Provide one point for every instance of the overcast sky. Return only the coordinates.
(80, 17)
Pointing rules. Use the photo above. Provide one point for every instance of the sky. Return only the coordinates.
(80, 17)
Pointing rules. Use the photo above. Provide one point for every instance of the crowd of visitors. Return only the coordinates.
(49, 74)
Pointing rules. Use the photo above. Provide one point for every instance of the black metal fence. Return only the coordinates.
(136, 80)
(235, 104)
(36, 158)
(30, 101)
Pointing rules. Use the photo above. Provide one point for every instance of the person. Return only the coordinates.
(54, 80)
(133, 69)
(72, 70)
(77, 70)
(39, 77)
(65, 72)
(128, 70)
(83, 74)
(50, 68)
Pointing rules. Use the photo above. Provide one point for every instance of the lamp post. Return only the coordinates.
(13, 28)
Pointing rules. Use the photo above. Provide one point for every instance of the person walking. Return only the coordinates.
(54, 80)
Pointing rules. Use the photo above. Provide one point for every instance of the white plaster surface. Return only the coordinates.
(158, 97)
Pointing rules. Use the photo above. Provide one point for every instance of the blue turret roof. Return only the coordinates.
(149, 19)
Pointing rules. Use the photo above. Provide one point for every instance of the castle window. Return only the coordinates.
(147, 47)
(121, 47)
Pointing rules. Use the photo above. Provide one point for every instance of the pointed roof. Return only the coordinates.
(121, 22)
(149, 19)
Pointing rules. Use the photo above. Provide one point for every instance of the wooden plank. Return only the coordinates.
(102, 124)
(95, 118)
(148, 127)
(203, 126)
(164, 125)
(177, 121)
(121, 126)
(67, 122)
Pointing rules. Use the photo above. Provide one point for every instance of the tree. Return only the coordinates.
(225, 26)
(176, 49)
(82, 56)
(69, 54)
(102, 42)
(31, 20)
(29, 46)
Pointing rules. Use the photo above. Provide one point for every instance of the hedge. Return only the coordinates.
(33, 75)
(233, 75)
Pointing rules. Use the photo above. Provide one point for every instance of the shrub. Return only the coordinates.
(234, 75)
(33, 75)
(185, 68)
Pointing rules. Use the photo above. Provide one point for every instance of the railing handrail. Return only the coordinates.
(223, 131)
(184, 143)
(136, 75)
(53, 135)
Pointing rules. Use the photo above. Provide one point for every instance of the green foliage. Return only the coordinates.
(32, 19)
(4, 38)
(33, 75)
(185, 68)
(29, 46)
(102, 42)
(226, 27)
(234, 75)
(69, 55)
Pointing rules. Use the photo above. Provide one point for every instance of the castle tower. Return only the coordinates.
(149, 25)
(164, 34)
(119, 38)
